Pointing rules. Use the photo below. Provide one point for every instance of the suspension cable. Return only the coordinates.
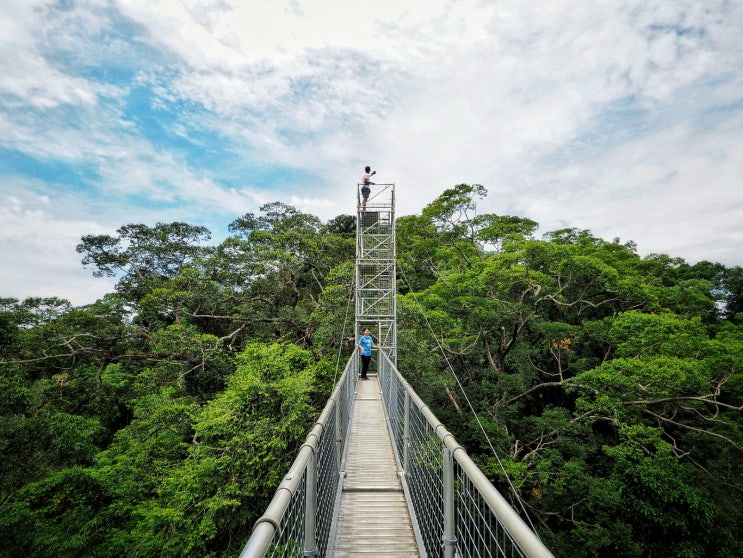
(467, 399)
(343, 333)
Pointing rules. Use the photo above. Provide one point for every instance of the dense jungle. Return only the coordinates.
(159, 420)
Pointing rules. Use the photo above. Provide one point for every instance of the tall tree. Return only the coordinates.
(141, 256)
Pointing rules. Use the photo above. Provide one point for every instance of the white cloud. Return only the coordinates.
(620, 116)
(28, 77)
(39, 257)
(233, 32)
(675, 191)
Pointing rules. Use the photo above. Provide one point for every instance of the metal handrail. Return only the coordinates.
(298, 520)
(458, 510)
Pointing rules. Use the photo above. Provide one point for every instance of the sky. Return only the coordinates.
(623, 117)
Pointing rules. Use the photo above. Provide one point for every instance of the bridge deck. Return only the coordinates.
(374, 519)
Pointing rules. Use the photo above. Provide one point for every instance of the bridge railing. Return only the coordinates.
(298, 521)
(458, 512)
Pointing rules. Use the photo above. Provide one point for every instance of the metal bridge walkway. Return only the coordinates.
(374, 519)
(342, 495)
(378, 473)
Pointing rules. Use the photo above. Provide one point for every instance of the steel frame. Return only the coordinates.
(376, 281)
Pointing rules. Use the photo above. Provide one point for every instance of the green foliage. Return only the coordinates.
(343, 225)
(159, 420)
(607, 383)
(180, 478)
(56, 516)
(635, 334)
(333, 319)
(243, 442)
(730, 287)
(143, 256)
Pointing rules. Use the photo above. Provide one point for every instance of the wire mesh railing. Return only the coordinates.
(458, 512)
(298, 521)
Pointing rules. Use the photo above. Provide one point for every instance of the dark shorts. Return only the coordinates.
(365, 191)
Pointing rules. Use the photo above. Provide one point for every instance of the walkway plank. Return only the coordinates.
(374, 519)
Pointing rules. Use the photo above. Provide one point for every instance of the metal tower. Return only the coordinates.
(375, 267)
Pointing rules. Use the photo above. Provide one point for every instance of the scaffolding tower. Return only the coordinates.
(376, 308)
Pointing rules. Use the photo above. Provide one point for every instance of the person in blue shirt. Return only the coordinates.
(366, 344)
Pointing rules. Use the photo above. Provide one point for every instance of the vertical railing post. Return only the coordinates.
(406, 434)
(339, 431)
(449, 537)
(310, 506)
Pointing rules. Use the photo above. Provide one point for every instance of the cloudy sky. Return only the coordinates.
(624, 117)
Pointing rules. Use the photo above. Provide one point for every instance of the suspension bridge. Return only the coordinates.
(378, 474)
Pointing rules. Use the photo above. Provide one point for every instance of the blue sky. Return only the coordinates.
(622, 117)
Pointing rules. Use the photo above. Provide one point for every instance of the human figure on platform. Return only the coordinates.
(366, 344)
(366, 181)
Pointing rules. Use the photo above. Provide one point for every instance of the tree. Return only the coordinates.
(143, 257)
(243, 442)
(451, 216)
(296, 259)
(158, 420)
(731, 288)
(499, 231)
(449, 236)
(596, 376)
(344, 225)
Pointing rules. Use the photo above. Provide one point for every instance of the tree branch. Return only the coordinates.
(692, 428)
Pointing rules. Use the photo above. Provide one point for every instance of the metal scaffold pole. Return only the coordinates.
(375, 267)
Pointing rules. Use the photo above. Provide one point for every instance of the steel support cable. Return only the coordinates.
(469, 404)
(343, 331)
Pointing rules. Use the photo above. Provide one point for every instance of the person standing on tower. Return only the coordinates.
(366, 344)
(365, 190)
